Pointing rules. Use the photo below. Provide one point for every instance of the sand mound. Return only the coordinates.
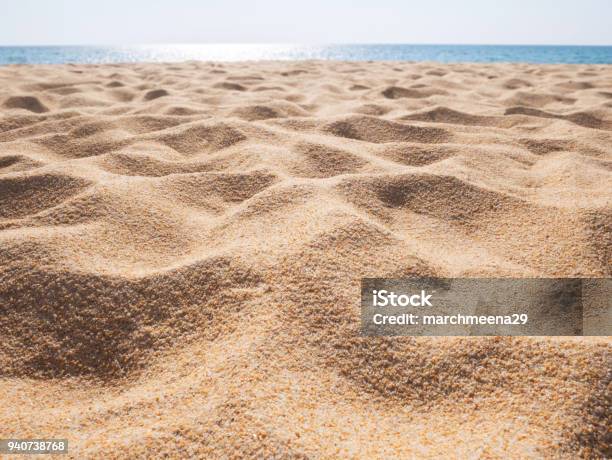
(29, 103)
(257, 112)
(201, 138)
(12, 163)
(230, 86)
(537, 99)
(24, 195)
(106, 325)
(279, 109)
(397, 92)
(411, 154)
(516, 83)
(379, 131)
(139, 164)
(154, 94)
(446, 198)
(181, 248)
(586, 119)
(446, 115)
(319, 160)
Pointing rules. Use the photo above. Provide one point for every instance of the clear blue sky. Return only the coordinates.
(31, 22)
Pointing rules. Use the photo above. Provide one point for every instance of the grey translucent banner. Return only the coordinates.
(486, 306)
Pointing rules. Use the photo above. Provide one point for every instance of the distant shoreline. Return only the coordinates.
(529, 54)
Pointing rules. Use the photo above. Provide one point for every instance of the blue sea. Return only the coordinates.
(241, 52)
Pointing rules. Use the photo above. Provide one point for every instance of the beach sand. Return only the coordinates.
(181, 248)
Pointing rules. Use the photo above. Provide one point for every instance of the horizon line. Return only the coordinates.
(293, 44)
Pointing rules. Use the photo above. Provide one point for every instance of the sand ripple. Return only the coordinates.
(181, 248)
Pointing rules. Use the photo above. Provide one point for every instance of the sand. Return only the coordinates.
(181, 247)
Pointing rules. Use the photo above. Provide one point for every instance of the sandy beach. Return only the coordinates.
(181, 249)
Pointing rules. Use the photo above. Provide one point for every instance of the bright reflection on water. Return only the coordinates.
(241, 52)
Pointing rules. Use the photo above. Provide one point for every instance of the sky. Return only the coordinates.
(107, 22)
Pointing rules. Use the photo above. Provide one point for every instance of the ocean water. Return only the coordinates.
(241, 52)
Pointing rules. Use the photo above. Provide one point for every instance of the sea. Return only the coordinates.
(253, 52)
